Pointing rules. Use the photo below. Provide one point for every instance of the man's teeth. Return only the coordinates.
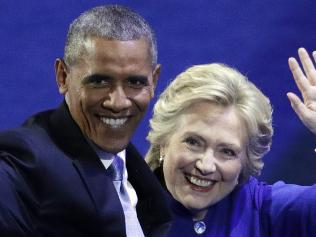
(199, 182)
(113, 122)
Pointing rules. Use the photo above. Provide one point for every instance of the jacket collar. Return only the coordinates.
(68, 136)
(152, 211)
(152, 207)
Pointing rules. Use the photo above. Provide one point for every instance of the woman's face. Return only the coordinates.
(204, 156)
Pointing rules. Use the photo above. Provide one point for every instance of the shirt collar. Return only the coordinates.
(106, 157)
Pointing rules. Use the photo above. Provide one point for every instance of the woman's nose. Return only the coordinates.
(207, 164)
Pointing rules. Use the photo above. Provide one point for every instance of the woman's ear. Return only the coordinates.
(61, 73)
(161, 155)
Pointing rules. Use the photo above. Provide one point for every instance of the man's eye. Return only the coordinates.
(137, 82)
(100, 81)
(97, 80)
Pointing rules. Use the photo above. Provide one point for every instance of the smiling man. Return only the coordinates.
(72, 171)
(108, 89)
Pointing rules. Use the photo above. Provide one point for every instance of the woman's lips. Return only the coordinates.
(200, 184)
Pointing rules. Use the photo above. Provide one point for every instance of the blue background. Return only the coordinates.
(257, 37)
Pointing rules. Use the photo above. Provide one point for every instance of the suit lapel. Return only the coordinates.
(152, 208)
(99, 185)
(104, 195)
(152, 211)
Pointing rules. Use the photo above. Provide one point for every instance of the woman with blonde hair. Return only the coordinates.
(210, 129)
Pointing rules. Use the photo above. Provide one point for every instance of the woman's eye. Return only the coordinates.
(229, 152)
(192, 141)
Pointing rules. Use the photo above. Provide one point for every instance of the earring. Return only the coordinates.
(161, 159)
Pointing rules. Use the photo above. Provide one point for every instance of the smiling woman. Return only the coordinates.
(210, 129)
(204, 158)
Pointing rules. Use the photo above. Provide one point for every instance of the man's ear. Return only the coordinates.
(156, 74)
(61, 75)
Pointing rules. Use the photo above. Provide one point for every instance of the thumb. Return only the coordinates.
(297, 105)
(306, 116)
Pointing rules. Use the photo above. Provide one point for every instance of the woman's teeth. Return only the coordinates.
(199, 182)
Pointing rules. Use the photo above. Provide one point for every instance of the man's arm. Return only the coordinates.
(15, 219)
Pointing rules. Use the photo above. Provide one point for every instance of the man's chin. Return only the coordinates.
(112, 146)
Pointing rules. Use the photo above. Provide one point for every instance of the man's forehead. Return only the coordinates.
(92, 43)
(89, 44)
(104, 49)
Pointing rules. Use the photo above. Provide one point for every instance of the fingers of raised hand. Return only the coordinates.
(308, 65)
(298, 75)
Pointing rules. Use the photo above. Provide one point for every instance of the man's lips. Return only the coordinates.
(200, 184)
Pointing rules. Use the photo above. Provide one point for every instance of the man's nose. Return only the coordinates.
(117, 100)
(207, 164)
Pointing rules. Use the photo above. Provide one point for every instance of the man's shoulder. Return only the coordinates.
(38, 119)
(31, 134)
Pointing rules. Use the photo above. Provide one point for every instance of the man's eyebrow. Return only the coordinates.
(96, 77)
(138, 78)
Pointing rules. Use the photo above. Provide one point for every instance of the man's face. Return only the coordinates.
(109, 89)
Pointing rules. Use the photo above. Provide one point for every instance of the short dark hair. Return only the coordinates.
(110, 22)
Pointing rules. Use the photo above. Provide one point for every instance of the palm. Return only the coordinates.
(306, 82)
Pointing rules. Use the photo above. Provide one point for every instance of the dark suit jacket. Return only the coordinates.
(52, 183)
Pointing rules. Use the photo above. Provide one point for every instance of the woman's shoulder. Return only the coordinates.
(254, 191)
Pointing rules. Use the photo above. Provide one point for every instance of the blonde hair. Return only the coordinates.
(224, 86)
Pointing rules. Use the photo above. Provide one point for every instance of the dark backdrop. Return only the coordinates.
(257, 37)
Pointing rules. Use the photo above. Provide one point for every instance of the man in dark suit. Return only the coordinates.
(55, 170)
